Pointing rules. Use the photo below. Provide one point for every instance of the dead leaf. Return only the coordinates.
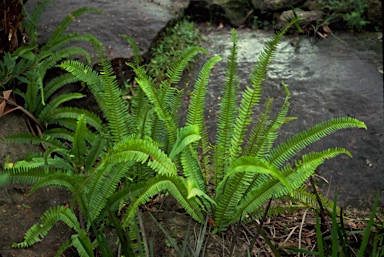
(352, 225)
(327, 29)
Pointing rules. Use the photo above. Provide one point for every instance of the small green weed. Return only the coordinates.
(351, 11)
(174, 41)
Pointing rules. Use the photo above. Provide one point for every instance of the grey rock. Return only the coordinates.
(307, 16)
(140, 19)
(273, 5)
(312, 5)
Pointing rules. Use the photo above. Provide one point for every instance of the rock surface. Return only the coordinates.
(142, 20)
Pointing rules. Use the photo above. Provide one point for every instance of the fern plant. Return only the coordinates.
(74, 160)
(140, 151)
(27, 66)
(246, 169)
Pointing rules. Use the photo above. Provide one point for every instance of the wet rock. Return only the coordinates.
(273, 5)
(307, 16)
(140, 19)
(312, 5)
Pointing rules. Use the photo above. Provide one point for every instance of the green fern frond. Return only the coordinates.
(83, 244)
(98, 146)
(289, 148)
(28, 138)
(206, 155)
(36, 162)
(252, 94)
(49, 218)
(307, 166)
(103, 183)
(74, 113)
(196, 107)
(52, 105)
(69, 126)
(255, 165)
(229, 192)
(295, 177)
(153, 95)
(135, 49)
(309, 199)
(24, 175)
(177, 68)
(55, 46)
(31, 94)
(227, 112)
(79, 147)
(185, 136)
(31, 21)
(175, 186)
(265, 143)
(142, 151)
(259, 132)
(68, 20)
(59, 133)
(192, 169)
(48, 59)
(115, 110)
(85, 73)
(58, 82)
(143, 119)
(58, 179)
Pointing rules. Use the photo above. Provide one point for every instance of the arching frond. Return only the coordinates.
(290, 147)
(49, 218)
(54, 104)
(185, 136)
(24, 175)
(68, 20)
(59, 133)
(83, 244)
(28, 138)
(135, 49)
(295, 177)
(98, 146)
(196, 107)
(58, 82)
(32, 19)
(160, 108)
(226, 118)
(252, 94)
(175, 186)
(142, 151)
(85, 73)
(175, 71)
(74, 113)
(115, 110)
(58, 179)
(79, 147)
(103, 183)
